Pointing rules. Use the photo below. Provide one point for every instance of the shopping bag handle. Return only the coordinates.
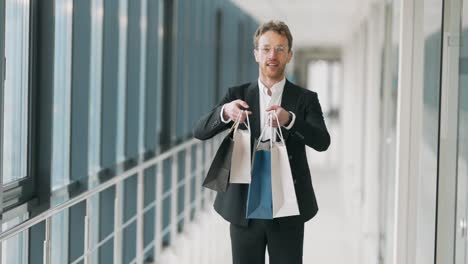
(280, 134)
(237, 123)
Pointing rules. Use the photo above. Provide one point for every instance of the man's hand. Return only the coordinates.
(281, 113)
(234, 108)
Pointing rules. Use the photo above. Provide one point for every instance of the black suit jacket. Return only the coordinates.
(308, 129)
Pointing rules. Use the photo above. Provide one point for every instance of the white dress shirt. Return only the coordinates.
(265, 101)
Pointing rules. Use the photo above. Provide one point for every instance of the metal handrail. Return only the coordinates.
(23, 226)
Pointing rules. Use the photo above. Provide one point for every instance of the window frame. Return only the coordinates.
(20, 191)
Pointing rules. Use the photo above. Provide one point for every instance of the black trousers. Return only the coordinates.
(284, 242)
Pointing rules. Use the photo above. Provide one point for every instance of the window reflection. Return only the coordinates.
(16, 93)
(15, 249)
(462, 173)
(62, 94)
(429, 137)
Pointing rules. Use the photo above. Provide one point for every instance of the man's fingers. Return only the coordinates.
(273, 107)
(274, 122)
(242, 103)
(236, 108)
(244, 116)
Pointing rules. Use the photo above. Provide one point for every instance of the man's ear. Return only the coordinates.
(290, 55)
(256, 55)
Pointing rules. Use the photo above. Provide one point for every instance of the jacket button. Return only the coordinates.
(290, 157)
(294, 181)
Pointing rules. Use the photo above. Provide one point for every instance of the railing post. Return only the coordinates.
(187, 189)
(200, 172)
(208, 160)
(158, 212)
(87, 232)
(140, 217)
(174, 198)
(48, 230)
(118, 223)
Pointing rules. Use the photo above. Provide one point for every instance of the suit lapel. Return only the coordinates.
(252, 98)
(289, 102)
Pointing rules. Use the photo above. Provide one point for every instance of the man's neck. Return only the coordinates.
(268, 82)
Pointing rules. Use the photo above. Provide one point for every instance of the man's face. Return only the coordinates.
(272, 55)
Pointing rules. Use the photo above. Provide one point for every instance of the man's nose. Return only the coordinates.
(272, 53)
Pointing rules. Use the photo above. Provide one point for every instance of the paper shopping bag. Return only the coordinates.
(283, 192)
(217, 178)
(240, 161)
(259, 200)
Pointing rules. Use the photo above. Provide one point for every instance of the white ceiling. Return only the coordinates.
(312, 22)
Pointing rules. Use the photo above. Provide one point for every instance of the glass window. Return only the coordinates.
(168, 92)
(218, 55)
(62, 94)
(59, 234)
(15, 249)
(122, 76)
(178, 95)
(462, 170)
(135, 80)
(429, 139)
(97, 15)
(153, 77)
(110, 70)
(16, 93)
(324, 77)
(389, 116)
(143, 25)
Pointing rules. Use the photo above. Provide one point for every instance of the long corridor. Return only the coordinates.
(101, 162)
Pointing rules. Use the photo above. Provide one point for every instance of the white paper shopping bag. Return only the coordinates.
(241, 161)
(282, 185)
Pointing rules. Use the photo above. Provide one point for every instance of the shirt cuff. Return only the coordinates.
(293, 119)
(222, 118)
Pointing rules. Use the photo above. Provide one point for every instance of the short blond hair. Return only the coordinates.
(273, 25)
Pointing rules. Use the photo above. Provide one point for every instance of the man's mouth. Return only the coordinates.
(272, 64)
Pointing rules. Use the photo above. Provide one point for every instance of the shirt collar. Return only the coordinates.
(277, 88)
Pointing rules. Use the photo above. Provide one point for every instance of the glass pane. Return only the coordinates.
(324, 77)
(15, 249)
(389, 115)
(429, 137)
(15, 133)
(142, 77)
(462, 174)
(122, 55)
(62, 93)
(94, 227)
(97, 15)
(59, 245)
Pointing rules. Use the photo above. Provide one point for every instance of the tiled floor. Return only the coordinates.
(324, 241)
(324, 238)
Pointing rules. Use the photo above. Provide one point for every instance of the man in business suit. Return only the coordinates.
(301, 120)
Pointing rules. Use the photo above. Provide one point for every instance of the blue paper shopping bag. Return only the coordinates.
(259, 199)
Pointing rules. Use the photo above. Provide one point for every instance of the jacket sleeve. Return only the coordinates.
(210, 124)
(310, 128)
